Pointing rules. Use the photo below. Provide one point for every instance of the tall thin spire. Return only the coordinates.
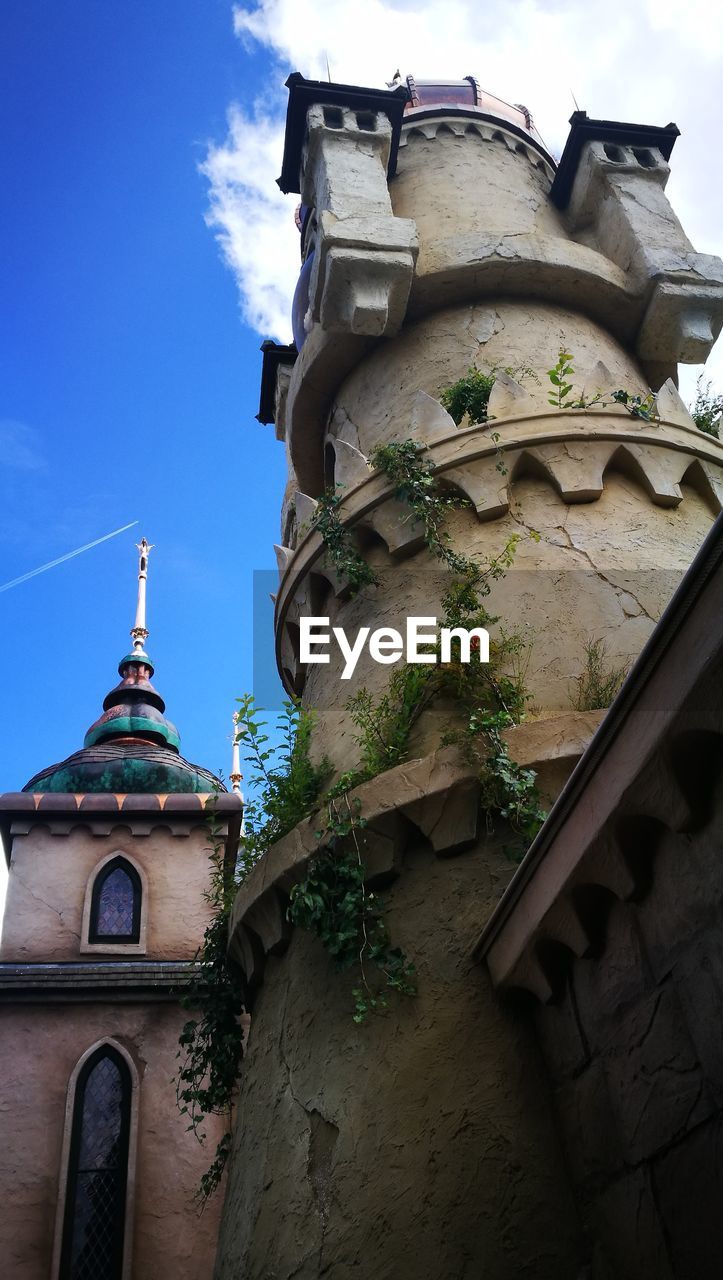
(139, 632)
(236, 775)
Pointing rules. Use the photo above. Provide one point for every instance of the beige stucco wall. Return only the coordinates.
(601, 570)
(498, 191)
(418, 1146)
(39, 1047)
(47, 886)
(434, 352)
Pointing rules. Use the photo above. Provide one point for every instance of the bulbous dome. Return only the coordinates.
(131, 747)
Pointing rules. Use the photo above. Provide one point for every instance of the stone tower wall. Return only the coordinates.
(423, 1145)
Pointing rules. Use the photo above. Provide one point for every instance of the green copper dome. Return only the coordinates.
(126, 765)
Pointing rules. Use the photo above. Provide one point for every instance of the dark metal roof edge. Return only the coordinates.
(707, 561)
(273, 355)
(626, 134)
(304, 93)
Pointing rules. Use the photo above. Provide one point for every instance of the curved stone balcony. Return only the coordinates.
(572, 450)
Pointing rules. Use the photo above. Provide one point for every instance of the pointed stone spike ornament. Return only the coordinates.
(139, 632)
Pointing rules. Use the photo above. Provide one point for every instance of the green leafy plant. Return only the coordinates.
(598, 683)
(384, 725)
(508, 789)
(284, 784)
(558, 376)
(210, 1044)
(334, 903)
(470, 396)
(637, 406)
(564, 396)
(339, 542)
(707, 411)
(414, 481)
(332, 900)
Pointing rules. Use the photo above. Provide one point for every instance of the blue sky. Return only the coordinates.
(145, 253)
(129, 384)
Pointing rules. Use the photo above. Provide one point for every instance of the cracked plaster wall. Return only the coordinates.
(39, 1047)
(497, 193)
(414, 1147)
(434, 352)
(47, 884)
(604, 569)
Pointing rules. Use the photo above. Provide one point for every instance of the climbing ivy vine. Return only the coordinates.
(210, 1044)
(340, 546)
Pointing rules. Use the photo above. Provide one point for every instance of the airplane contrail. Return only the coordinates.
(68, 556)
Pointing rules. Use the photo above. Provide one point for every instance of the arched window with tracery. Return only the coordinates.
(115, 905)
(95, 1201)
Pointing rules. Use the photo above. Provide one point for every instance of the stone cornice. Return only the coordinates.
(468, 121)
(659, 454)
(101, 813)
(436, 797)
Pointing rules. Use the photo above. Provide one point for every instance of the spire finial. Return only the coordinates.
(235, 774)
(139, 632)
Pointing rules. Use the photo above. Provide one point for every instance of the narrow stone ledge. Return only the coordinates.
(436, 797)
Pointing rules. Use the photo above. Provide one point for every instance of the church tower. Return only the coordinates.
(438, 234)
(108, 856)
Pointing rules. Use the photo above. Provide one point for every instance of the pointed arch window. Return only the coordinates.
(95, 1204)
(115, 905)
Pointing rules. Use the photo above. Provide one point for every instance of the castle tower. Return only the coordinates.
(108, 857)
(438, 234)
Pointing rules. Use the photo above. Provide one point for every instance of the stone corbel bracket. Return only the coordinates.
(572, 450)
(437, 797)
(363, 256)
(613, 189)
(652, 770)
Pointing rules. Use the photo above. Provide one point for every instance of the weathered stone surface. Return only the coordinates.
(608, 983)
(562, 1038)
(363, 255)
(343, 1134)
(594, 1144)
(656, 1086)
(688, 1182)
(698, 978)
(626, 1220)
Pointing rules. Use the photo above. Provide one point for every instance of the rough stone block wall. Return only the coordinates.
(635, 1053)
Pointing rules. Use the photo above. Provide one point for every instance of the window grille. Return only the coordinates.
(97, 1170)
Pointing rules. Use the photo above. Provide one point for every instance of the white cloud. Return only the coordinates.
(20, 446)
(622, 59)
(253, 221)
